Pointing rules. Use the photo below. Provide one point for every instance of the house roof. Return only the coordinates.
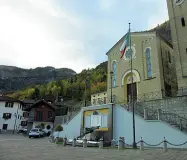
(49, 98)
(30, 101)
(9, 99)
(38, 102)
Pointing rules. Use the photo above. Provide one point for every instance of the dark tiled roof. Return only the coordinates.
(9, 99)
(30, 101)
(58, 103)
(41, 101)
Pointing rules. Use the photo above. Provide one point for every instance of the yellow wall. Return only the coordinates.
(140, 41)
(146, 86)
(101, 111)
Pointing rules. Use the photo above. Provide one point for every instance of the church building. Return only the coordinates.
(177, 10)
(153, 68)
(159, 62)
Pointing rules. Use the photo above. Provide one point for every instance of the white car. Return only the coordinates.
(36, 132)
(25, 130)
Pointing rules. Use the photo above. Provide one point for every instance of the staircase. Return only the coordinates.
(66, 118)
(157, 114)
(175, 120)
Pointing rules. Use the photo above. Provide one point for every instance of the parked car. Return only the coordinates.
(47, 132)
(36, 132)
(25, 131)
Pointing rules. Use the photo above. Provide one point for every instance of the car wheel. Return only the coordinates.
(39, 136)
(29, 136)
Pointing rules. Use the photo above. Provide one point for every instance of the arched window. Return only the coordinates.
(183, 22)
(114, 66)
(169, 57)
(148, 61)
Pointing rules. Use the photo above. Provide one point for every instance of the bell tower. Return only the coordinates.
(177, 10)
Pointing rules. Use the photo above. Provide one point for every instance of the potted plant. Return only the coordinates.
(58, 129)
(42, 125)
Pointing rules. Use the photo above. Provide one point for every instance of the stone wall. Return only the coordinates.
(176, 105)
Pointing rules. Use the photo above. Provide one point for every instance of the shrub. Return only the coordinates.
(60, 139)
(42, 125)
(58, 129)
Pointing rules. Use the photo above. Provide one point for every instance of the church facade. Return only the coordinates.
(153, 68)
(177, 10)
(159, 61)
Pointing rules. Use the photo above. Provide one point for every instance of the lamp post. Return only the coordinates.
(132, 94)
(111, 76)
(16, 115)
(86, 85)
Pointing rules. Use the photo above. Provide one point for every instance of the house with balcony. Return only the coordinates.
(10, 114)
(99, 98)
(41, 114)
(27, 103)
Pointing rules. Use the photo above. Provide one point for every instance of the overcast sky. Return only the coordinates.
(70, 33)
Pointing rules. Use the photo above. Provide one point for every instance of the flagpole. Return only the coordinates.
(132, 92)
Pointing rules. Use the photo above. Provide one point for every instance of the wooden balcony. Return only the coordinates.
(38, 119)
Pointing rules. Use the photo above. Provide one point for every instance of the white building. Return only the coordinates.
(10, 113)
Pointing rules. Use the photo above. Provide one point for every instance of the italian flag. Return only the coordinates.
(125, 44)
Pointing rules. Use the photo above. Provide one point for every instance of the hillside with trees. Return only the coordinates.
(88, 82)
(13, 78)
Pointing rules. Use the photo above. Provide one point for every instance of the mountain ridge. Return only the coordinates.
(14, 78)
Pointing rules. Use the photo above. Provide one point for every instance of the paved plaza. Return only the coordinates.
(17, 147)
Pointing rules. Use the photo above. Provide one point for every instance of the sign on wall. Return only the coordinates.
(95, 120)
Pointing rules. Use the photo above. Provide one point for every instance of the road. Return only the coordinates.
(17, 147)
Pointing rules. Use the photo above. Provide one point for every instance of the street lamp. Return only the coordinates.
(111, 76)
(132, 95)
(16, 115)
(86, 86)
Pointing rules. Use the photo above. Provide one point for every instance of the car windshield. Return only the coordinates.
(34, 130)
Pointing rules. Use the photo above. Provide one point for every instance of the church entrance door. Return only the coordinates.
(129, 91)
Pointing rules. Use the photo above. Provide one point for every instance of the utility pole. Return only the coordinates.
(16, 115)
(132, 94)
(111, 97)
(86, 83)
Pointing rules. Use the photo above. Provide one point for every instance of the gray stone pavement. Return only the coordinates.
(17, 147)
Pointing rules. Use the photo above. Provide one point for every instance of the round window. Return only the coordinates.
(130, 52)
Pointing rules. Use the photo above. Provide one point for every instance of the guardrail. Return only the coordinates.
(120, 144)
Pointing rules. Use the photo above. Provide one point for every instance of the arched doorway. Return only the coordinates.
(128, 85)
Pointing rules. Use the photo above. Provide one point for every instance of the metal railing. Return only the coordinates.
(156, 95)
(175, 120)
(170, 118)
(67, 118)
